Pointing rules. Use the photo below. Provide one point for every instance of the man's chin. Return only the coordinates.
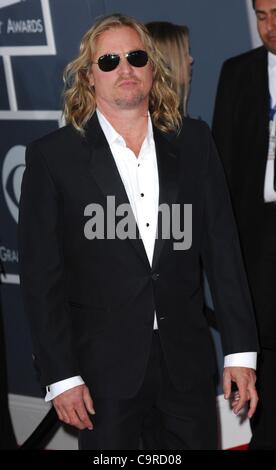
(271, 47)
(125, 103)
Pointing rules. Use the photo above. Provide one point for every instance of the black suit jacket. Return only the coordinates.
(241, 132)
(91, 303)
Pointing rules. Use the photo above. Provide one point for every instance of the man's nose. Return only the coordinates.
(124, 65)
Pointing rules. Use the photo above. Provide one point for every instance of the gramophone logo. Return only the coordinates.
(12, 174)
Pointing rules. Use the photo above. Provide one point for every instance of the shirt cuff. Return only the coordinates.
(57, 388)
(246, 359)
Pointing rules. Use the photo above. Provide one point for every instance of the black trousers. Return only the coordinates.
(263, 423)
(158, 416)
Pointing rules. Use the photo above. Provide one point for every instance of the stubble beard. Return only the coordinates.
(131, 102)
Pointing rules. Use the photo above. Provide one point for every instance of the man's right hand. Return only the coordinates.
(72, 407)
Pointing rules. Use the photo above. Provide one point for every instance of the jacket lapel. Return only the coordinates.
(168, 183)
(104, 171)
(258, 119)
(260, 78)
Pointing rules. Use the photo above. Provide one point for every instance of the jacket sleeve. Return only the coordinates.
(223, 264)
(222, 118)
(42, 271)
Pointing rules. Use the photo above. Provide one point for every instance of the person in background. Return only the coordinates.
(172, 41)
(244, 128)
(116, 310)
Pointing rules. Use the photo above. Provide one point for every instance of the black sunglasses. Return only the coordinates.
(108, 62)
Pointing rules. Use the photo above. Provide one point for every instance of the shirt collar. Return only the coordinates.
(271, 60)
(112, 136)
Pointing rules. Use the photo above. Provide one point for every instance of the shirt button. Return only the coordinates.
(147, 224)
(142, 195)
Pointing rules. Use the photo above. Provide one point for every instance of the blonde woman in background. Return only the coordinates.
(173, 42)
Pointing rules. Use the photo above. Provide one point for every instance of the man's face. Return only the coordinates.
(125, 87)
(266, 22)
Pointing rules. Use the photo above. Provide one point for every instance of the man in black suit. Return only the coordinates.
(244, 131)
(119, 211)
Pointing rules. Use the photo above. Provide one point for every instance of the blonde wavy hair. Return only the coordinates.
(172, 40)
(80, 98)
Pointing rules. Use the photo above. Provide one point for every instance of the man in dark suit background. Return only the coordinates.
(116, 308)
(244, 131)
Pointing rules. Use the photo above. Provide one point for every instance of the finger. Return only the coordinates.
(88, 401)
(239, 406)
(243, 397)
(69, 416)
(62, 415)
(253, 403)
(227, 384)
(240, 403)
(235, 399)
(83, 417)
(75, 420)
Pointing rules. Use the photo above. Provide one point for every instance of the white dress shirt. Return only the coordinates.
(272, 76)
(140, 178)
(269, 191)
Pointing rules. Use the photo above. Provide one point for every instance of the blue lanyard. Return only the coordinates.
(272, 111)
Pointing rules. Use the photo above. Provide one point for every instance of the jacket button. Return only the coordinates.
(155, 276)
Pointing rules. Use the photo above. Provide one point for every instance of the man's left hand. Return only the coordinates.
(245, 379)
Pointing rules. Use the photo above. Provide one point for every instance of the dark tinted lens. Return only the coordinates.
(137, 58)
(108, 62)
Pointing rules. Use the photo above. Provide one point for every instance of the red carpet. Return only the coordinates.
(243, 447)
